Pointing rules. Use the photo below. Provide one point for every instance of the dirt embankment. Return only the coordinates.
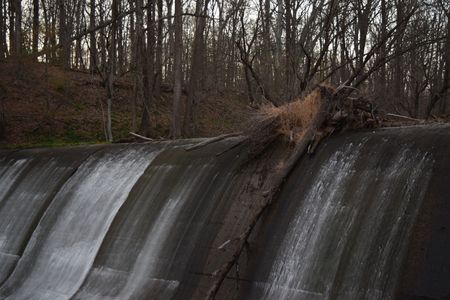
(48, 106)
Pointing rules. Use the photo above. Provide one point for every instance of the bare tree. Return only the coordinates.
(150, 69)
(64, 34)
(197, 67)
(35, 26)
(159, 50)
(138, 63)
(3, 18)
(92, 40)
(17, 32)
(111, 71)
(178, 76)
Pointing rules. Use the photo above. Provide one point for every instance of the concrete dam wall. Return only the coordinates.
(366, 217)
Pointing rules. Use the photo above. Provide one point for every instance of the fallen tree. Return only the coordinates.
(303, 123)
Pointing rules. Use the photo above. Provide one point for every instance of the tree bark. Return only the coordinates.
(120, 43)
(197, 68)
(102, 37)
(11, 15)
(64, 35)
(150, 69)
(138, 63)
(170, 44)
(92, 40)
(178, 76)
(3, 45)
(159, 49)
(110, 73)
(289, 45)
(381, 84)
(398, 62)
(35, 26)
(17, 28)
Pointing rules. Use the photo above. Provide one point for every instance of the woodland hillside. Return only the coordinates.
(53, 107)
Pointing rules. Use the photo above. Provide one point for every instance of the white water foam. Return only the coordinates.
(64, 245)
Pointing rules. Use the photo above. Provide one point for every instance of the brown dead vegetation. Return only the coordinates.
(295, 117)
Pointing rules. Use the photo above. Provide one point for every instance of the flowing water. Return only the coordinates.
(343, 243)
(61, 250)
(146, 221)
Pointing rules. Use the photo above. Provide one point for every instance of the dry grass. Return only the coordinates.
(297, 116)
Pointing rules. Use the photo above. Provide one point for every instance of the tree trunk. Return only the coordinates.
(11, 15)
(159, 49)
(102, 38)
(53, 54)
(111, 71)
(3, 45)
(150, 69)
(79, 64)
(267, 46)
(381, 84)
(170, 46)
(92, 40)
(363, 27)
(278, 48)
(178, 76)
(64, 34)
(398, 62)
(446, 84)
(289, 41)
(35, 26)
(120, 46)
(197, 64)
(138, 63)
(267, 194)
(17, 28)
(47, 31)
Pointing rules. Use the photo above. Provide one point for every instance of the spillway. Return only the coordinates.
(366, 217)
(347, 243)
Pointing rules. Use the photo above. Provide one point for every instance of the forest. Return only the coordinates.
(396, 54)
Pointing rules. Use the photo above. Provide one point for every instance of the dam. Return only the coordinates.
(366, 217)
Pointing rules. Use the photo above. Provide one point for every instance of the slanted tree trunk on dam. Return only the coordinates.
(330, 110)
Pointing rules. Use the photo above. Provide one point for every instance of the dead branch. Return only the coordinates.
(403, 117)
(141, 137)
(211, 140)
(334, 113)
(268, 195)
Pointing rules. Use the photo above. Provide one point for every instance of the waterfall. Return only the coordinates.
(21, 207)
(64, 244)
(155, 220)
(350, 230)
(162, 221)
(10, 173)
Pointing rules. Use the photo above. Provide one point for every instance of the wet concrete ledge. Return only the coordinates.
(425, 271)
